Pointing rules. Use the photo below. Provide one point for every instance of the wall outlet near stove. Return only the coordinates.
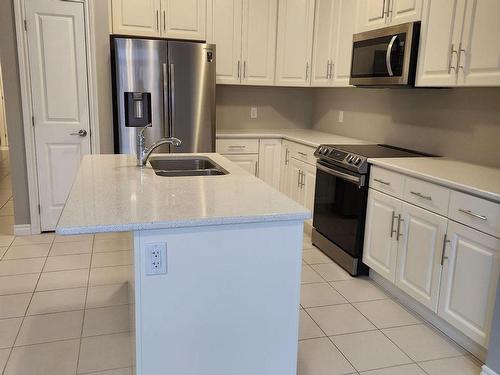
(341, 116)
(253, 112)
(156, 258)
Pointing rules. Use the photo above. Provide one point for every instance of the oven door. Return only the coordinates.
(340, 207)
(384, 57)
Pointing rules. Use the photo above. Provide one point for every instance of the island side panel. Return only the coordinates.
(229, 303)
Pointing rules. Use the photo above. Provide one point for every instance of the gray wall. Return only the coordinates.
(458, 123)
(278, 107)
(13, 111)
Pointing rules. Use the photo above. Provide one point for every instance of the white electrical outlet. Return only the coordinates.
(253, 112)
(341, 116)
(156, 258)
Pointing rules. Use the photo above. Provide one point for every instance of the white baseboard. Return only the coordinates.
(22, 229)
(429, 316)
(485, 370)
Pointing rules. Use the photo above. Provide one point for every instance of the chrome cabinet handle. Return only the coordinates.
(287, 153)
(452, 51)
(164, 21)
(388, 55)
(400, 220)
(238, 68)
(307, 70)
(244, 69)
(237, 147)
(81, 133)
(470, 213)
(298, 179)
(328, 69)
(420, 195)
(443, 257)
(392, 222)
(302, 154)
(383, 10)
(382, 182)
(460, 50)
(157, 20)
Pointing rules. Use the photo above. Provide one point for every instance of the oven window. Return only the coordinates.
(369, 57)
(339, 211)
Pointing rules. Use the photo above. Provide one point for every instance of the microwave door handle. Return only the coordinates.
(388, 55)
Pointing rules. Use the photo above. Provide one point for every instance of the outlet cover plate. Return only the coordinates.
(156, 258)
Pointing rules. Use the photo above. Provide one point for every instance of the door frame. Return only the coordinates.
(27, 107)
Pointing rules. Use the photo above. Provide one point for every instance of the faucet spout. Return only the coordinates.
(143, 152)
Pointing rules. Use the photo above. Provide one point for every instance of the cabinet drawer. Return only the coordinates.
(430, 196)
(386, 181)
(237, 146)
(475, 212)
(302, 152)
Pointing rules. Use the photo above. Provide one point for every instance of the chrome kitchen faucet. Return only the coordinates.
(144, 152)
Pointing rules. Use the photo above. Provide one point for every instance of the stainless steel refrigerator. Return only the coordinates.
(168, 85)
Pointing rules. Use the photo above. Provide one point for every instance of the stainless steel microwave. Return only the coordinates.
(385, 57)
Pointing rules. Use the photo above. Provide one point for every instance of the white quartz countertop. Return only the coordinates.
(469, 178)
(307, 137)
(111, 193)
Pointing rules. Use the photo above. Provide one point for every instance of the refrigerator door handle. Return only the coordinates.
(172, 99)
(166, 109)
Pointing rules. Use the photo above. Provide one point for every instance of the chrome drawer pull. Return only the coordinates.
(382, 182)
(237, 146)
(470, 213)
(420, 195)
(302, 153)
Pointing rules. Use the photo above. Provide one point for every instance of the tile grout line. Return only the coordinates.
(26, 310)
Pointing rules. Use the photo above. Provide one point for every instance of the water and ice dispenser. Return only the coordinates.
(137, 109)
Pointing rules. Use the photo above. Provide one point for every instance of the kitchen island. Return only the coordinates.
(217, 260)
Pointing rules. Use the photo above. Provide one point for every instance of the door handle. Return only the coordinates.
(388, 55)
(172, 98)
(81, 133)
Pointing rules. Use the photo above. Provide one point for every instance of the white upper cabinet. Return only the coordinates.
(459, 44)
(375, 14)
(480, 50)
(294, 45)
(469, 281)
(184, 19)
(244, 32)
(224, 30)
(259, 41)
(136, 17)
(332, 47)
(179, 19)
(419, 254)
(439, 43)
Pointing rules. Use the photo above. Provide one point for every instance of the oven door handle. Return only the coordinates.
(388, 55)
(360, 181)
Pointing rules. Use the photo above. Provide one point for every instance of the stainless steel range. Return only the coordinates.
(340, 200)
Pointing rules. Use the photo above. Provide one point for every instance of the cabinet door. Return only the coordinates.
(285, 170)
(420, 248)
(269, 161)
(224, 30)
(324, 27)
(184, 19)
(380, 246)
(402, 11)
(479, 60)
(294, 181)
(342, 42)
(248, 162)
(136, 17)
(469, 281)
(439, 42)
(294, 45)
(259, 41)
(309, 185)
(371, 15)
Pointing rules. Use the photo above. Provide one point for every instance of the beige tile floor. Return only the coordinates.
(64, 311)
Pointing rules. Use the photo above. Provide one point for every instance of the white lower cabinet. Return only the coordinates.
(448, 267)
(302, 182)
(469, 282)
(270, 161)
(419, 254)
(248, 162)
(380, 246)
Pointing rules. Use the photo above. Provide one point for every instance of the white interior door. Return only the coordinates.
(58, 69)
(418, 271)
(469, 281)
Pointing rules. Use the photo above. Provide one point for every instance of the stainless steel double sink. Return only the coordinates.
(178, 166)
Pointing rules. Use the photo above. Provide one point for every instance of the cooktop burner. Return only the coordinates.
(354, 157)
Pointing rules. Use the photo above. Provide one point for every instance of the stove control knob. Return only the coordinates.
(349, 158)
(357, 161)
